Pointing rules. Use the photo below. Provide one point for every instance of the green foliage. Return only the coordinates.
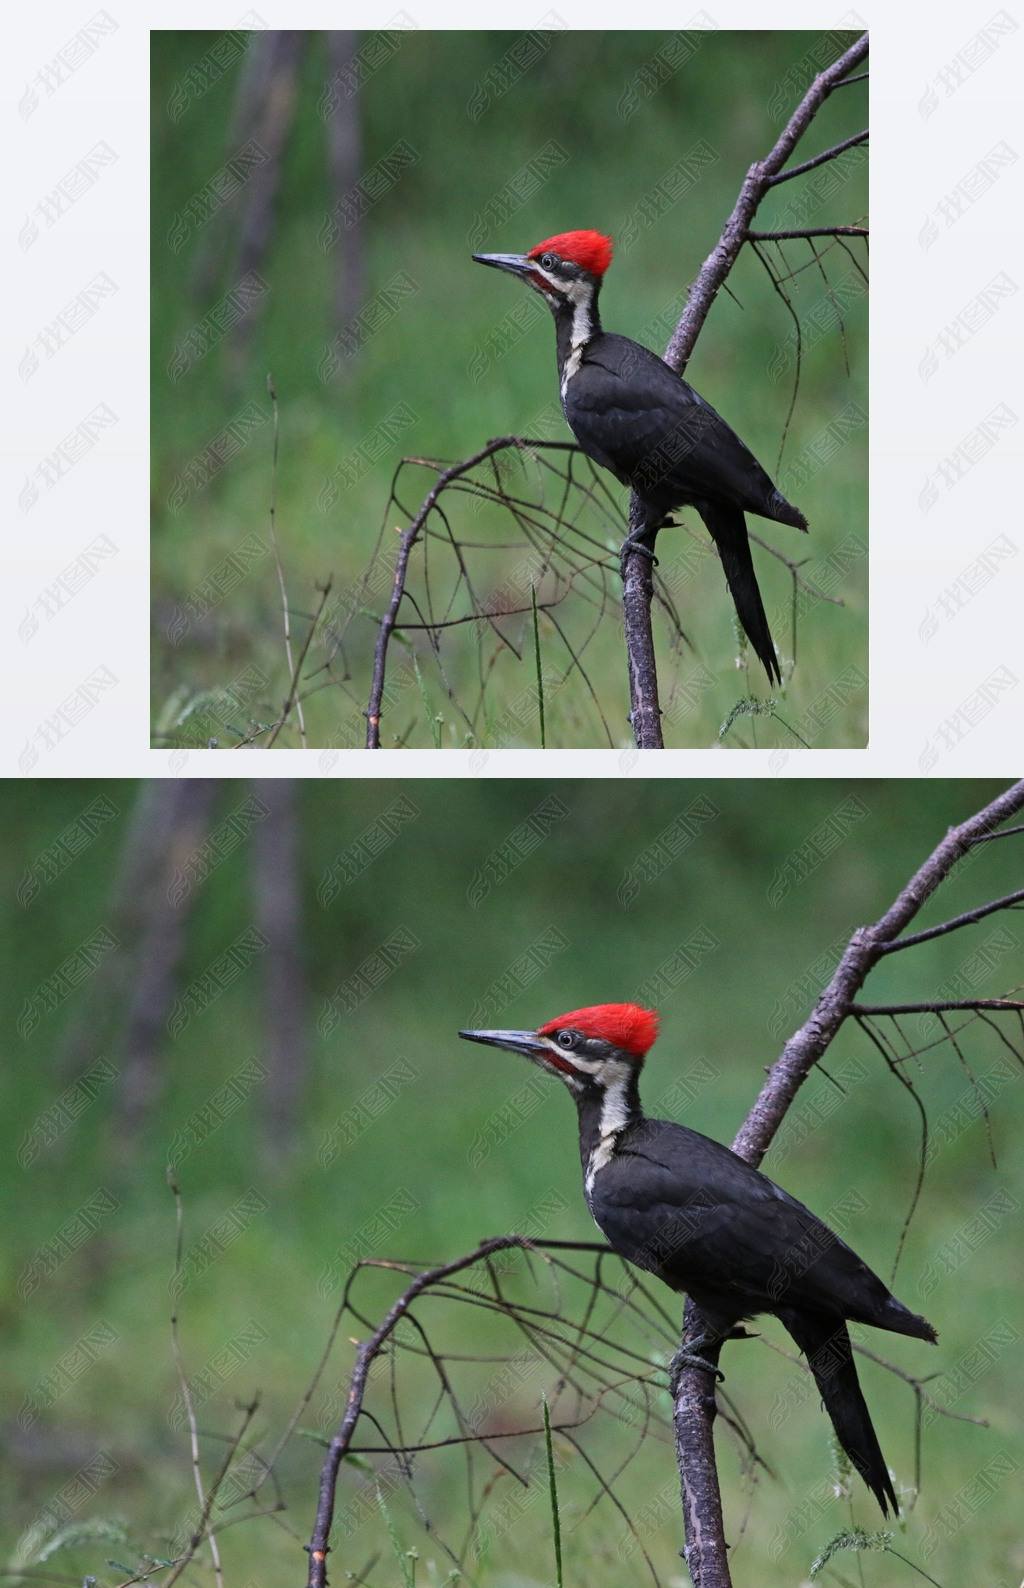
(556, 1522)
(76, 1534)
(850, 1538)
(540, 670)
(403, 1557)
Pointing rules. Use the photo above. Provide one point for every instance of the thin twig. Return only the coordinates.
(819, 159)
(186, 1395)
(292, 698)
(807, 231)
(408, 540)
(286, 615)
(934, 1007)
(1008, 901)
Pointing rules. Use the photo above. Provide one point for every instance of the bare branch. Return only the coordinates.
(811, 231)
(205, 1500)
(1009, 901)
(637, 593)
(866, 947)
(285, 609)
(819, 159)
(558, 560)
(365, 1354)
(706, 1554)
(758, 179)
(409, 538)
(934, 1008)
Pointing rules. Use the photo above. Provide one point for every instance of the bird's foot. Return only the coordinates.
(636, 542)
(689, 1356)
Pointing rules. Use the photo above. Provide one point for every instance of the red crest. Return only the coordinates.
(623, 1025)
(592, 250)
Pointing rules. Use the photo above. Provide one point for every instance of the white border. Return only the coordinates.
(944, 97)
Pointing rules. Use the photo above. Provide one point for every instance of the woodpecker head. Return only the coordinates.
(566, 270)
(601, 1049)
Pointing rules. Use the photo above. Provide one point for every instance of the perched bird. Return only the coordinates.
(687, 1209)
(635, 416)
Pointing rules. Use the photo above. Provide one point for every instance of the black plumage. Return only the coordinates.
(636, 417)
(689, 1210)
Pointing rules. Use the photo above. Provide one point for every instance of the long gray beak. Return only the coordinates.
(517, 263)
(525, 1042)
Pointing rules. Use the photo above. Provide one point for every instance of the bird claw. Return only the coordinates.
(691, 1358)
(635, 542)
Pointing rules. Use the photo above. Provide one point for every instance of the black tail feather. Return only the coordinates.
(728, 529)
(826, 1344)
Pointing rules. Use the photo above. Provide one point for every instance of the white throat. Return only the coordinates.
(614, 1119)
(582, 330)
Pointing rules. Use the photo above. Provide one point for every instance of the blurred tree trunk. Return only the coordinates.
(158, 887)
(239, 235)
(126, 1006)
(278, 902)
(345, 157)
(123, 1008)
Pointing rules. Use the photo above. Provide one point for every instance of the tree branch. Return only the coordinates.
(636, 565)
(1008, 902)
(866, 947)
(758, 180)
(409, 538)
(820, 159)
(706, 1552)
(366, 1351)
(637, 594)
(934, 1008)
(807, 231)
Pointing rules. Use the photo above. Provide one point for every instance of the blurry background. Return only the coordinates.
(316, 198)
(263, 982)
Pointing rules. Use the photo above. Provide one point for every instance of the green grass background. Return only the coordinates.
(778, 875)
(623, 110)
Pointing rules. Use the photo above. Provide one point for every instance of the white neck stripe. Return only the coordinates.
(614, 1119)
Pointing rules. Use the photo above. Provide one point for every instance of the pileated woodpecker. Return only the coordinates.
(634, 415)
(687, 1209)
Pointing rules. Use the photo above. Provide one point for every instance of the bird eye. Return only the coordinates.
(547, 260)
(567, 1039)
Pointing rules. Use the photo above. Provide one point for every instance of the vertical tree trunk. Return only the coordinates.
(345, 159)
(279, 917)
